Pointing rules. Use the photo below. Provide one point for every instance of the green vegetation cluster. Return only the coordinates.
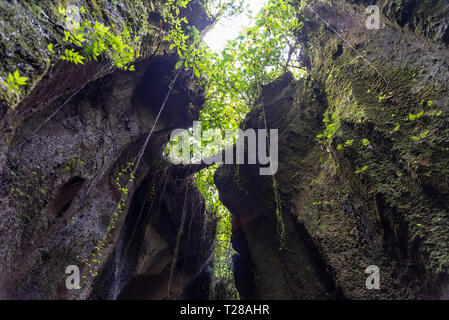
(14, 81)
(234, 79)
(93, 262)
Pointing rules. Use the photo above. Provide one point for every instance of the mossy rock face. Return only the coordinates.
(69, 136)
(374, 191)
(26, 30)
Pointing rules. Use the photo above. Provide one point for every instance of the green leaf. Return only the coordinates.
(178, 64)
(22, 81)
(366, 142)
(61, 10)
(197, 73)
(397, 127)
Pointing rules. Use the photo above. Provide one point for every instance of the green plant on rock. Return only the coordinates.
(92, 40)
(15, 81)
(330, 128)
(421, 136)
(412, 117)
(72, 56)
(72, 162)
(123, 181)
(398, 126)
(279, 218)
(362, 170)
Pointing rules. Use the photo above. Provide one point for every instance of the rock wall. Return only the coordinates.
(362, 179)
(65, 153)
(374, 191)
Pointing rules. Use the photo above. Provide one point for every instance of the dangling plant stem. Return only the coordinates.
(277, 198)
(178, 240)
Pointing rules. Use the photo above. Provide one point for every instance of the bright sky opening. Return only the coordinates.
(229, 28)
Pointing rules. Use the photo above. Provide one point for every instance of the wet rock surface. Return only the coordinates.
(373, 192)
(65, 157)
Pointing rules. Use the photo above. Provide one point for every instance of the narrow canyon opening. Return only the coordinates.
(224, 150)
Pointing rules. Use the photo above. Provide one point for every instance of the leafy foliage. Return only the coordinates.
(234, 80)
(72, 56)
(14, 81)
(94, 39)
(204, 181)
(358, 171)
(260, 54)
(332, 125)
(217, 8)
